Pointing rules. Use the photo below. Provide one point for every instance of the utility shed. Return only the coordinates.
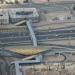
(22, 13)
(4, 18)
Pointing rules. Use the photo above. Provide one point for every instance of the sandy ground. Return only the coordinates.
(52, 69)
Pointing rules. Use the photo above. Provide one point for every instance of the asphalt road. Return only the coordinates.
(51, 7)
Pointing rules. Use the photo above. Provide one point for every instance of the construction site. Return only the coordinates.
(37, 37)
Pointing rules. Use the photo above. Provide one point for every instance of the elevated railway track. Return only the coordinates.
(56, 38)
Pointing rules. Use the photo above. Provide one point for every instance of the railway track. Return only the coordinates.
(41, 36)
(20, 36)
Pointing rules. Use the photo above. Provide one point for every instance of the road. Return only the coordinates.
(41, 6)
